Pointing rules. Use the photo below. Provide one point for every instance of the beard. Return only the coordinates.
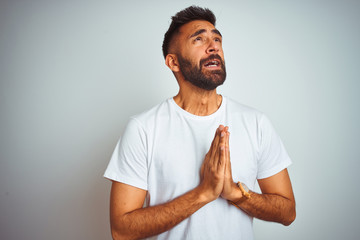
(209, 80)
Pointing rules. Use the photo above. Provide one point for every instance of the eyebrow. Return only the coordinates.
(203, 30)
(216, 32)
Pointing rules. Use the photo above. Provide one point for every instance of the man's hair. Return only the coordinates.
(187, 15)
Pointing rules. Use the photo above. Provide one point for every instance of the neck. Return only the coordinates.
(198, 101)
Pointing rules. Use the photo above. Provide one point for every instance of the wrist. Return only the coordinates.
(203, 195)
(244, 194)
(236, 194)
(244, 190)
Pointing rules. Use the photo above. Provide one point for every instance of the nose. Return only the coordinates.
(213, 47)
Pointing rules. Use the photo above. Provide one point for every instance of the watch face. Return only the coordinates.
(245, 187)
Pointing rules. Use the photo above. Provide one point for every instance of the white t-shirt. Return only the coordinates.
(162, 150)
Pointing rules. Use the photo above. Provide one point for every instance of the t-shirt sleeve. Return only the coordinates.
(273, 156)
(128, 163)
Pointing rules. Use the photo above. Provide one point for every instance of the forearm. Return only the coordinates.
(130, 221)
(146, 222)
(269, 207)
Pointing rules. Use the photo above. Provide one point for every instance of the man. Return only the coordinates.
(181, 160)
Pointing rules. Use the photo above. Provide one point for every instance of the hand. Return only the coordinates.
(212, 172)
(229, 185)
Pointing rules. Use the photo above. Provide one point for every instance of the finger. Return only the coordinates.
(217, 135)
(215, 144)
(223, 138)
(222, 156)
(221, 149)
(228, 157)
(209, 156)
(215, 151)
(214, 139)
(228, 151)
(227, 142)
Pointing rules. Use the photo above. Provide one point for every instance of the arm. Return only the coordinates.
(130, 221)
(276, 203)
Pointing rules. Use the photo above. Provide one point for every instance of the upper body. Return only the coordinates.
(181, 158)
(162, 149)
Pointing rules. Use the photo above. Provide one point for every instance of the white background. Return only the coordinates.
(73, 72)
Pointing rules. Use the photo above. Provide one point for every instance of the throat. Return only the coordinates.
(200, 106)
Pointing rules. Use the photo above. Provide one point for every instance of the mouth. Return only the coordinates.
(213, 63)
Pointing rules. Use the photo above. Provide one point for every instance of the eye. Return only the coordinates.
(198, 39)
(217, 39)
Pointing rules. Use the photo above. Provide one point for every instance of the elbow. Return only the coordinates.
(290, 219)
(118, 235)
(119, 231)
(114, 235)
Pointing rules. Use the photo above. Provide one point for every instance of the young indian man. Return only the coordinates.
(196, 178)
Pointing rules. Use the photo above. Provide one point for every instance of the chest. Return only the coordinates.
(176, 155)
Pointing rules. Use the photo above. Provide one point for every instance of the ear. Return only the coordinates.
(172, 62)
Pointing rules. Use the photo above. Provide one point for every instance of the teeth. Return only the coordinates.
(212, 63)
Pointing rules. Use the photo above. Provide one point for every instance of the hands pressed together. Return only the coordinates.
(215, 174)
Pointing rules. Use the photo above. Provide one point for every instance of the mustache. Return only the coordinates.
(212, 57)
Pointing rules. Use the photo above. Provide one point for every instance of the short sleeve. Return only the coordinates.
(273, 156)
(128, 163)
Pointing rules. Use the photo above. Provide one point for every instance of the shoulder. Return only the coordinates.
(239, 109)
(250, 117)
(153, 115)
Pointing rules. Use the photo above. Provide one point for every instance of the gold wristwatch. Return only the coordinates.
(244, 190)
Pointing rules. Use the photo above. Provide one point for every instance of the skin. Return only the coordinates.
(192, 99)
(276, 203)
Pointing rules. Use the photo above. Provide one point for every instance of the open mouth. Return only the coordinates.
(212, 63)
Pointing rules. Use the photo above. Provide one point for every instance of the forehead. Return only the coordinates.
(191, 27)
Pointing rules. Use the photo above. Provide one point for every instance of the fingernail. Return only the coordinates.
(222, 134)
(221, 127)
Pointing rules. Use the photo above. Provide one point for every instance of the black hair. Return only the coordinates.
(184, 16)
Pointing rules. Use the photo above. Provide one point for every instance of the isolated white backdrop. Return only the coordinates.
(73, 72)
